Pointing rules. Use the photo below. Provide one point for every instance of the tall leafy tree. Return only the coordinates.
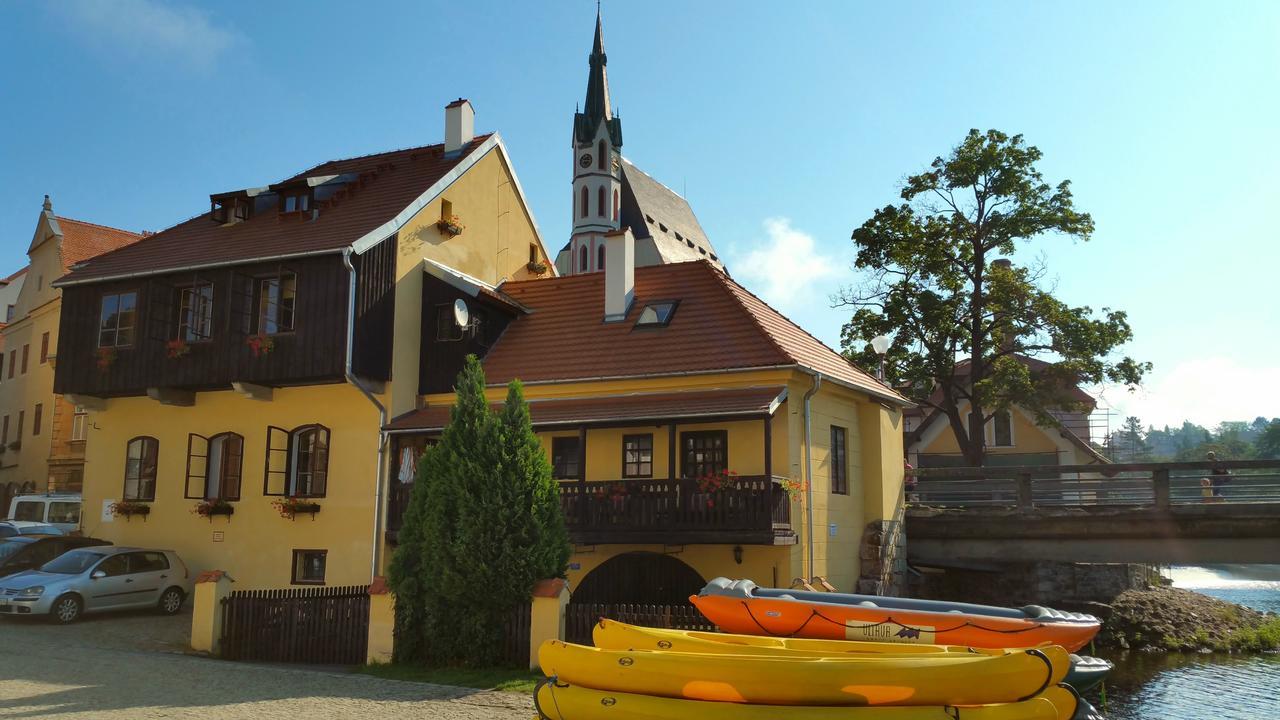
(935, 284)
(483, 526)
(1267, 446)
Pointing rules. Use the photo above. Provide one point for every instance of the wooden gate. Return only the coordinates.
(581, 617)
(326, 625)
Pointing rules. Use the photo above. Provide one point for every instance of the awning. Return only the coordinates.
(614, 410)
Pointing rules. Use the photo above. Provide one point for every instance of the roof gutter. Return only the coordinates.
(62, 282)
(382, 414)
(808, 466)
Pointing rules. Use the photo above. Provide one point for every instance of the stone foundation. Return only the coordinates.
(1033, 583)
(883, 553)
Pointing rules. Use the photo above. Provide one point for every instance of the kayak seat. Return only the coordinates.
(868, 603)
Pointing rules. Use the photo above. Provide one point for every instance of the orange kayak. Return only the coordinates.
(740, 606)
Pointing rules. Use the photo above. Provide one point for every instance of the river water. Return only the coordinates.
(1175, 686)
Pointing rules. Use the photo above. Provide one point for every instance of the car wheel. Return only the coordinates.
(66, 609)
(171, 601)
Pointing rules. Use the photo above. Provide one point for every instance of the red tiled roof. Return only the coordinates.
(724, 402)
(16, 275)
(82, 241)
(391, 181)
(717, 325)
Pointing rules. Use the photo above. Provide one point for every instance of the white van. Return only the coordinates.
(61, 510)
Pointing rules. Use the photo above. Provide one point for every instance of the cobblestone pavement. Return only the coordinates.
(118, 667)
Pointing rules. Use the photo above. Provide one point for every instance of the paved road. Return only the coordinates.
(127, 666)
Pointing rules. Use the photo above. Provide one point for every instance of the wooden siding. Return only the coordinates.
(375, 310)
(312, 353)
(443, 359)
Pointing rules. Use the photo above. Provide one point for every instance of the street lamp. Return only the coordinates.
(880, 344)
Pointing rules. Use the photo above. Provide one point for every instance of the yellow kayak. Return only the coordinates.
(615, 635)
(943, 679)
(570, 702)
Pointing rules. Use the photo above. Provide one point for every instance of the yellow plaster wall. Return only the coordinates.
(36, 312)
(494, 246)
(1027, 438)
(256, 543)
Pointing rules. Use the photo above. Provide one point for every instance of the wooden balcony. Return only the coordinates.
(755, 510)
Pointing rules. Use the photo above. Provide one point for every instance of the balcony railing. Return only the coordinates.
(754, 509)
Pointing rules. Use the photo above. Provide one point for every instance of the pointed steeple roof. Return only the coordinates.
(597, 109)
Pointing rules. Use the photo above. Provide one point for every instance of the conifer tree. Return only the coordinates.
(484, 525)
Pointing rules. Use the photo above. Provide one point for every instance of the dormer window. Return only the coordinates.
(226, 210)
(296, 202)
(657, 314)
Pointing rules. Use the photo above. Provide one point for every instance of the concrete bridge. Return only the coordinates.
(1160, 513)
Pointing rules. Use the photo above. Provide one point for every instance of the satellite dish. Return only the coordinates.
(461, 314)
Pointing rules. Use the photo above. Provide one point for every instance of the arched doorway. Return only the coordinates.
(643, 588)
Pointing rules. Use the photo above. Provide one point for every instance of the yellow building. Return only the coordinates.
(42, 436)
(694, 430)
(1012, 437)
(238, 366)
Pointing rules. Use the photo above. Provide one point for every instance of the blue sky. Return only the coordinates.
(785, 125)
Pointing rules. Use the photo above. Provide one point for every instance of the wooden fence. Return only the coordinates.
(581, 618)
(324, 625)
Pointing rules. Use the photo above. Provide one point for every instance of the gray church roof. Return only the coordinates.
(652, 209)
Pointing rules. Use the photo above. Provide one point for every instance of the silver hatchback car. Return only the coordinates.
(96, 579)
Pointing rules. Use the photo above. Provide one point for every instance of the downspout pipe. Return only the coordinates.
(808, 465)
(382, 412)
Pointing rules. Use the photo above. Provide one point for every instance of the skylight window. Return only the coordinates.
(657, 314)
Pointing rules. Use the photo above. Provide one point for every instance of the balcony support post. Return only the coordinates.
(582, 473)
(768, 448)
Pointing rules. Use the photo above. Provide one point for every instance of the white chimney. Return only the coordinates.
(459, 125)
(619, 274)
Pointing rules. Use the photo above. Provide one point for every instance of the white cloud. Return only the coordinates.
(149, 28)
(787, 270)
(1205, 391)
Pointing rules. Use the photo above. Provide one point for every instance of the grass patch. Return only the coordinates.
(1263, 637)
(510, 680)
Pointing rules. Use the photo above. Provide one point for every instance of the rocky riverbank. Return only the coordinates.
(1162, 619)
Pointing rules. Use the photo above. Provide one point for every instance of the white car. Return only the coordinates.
(10, 528)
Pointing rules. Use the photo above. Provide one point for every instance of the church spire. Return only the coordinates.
(597, 110)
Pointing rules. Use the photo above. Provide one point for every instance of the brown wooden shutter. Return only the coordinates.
(275, 470)
(232, 466)
(197, 467)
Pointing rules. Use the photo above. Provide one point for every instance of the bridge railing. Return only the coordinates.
(1159, 485)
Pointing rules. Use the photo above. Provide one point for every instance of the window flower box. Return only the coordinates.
(105, 357)
(291, 507)
(177, 349)
(450, 225)
(537, 268)
(260, 344)
(210, 508)
(127, 509)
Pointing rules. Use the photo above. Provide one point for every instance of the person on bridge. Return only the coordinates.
(1218, 477)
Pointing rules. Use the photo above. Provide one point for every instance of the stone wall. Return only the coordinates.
(882, 553)
(1033, 583)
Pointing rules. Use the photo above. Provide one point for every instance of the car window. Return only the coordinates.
(74, 562)
(29, 510)
(9, 548)
(148, 562)
(116, 565)
(7, 530)
(64, 512)
(43, 552)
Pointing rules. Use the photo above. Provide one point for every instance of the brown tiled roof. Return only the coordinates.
(717, 325)
(82, 241)
(391, 181)
(639, 407)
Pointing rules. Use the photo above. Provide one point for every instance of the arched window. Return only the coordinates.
(308, 461)
(615, 206)
(600, 201)
(602, 161)
(140, 460)
(584, 200)
(600, 258)
(582, 259)
(222, 475)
